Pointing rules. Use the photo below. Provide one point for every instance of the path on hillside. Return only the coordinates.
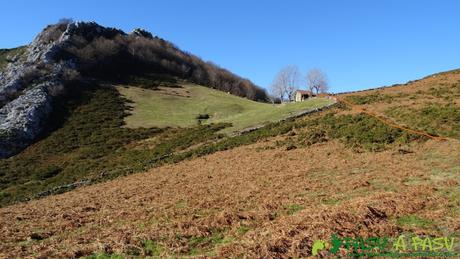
(391, 123)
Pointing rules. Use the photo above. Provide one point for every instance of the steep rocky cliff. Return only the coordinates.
(30, 82)
(25, 98)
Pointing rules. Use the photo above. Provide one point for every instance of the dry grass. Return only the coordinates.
(439, 89)
(259, 200)
(269, 202)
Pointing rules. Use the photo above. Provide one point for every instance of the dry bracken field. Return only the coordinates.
(268, 199)
(254, 200)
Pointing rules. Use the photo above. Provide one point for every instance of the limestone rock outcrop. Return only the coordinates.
(29, 83)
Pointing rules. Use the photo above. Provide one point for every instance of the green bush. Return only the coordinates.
(440, 91)
(369, 98)
(359, 132)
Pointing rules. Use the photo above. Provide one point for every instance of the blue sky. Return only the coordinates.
(359, 44)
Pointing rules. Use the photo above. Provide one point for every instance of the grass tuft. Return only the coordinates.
(414, 221)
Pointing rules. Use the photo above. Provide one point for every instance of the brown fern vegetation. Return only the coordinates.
(269, 193)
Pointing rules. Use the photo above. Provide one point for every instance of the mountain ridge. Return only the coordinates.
(68, 52)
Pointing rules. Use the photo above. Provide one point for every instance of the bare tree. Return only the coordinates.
(276, 89)
(286, 82)
(317, 81)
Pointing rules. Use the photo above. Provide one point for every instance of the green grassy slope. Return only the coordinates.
(180, 107)
(88, 142)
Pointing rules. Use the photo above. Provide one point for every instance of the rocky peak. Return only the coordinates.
(142, 33)
(28, 83)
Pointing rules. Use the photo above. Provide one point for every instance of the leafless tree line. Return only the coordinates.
(117, 53)
(289, 79)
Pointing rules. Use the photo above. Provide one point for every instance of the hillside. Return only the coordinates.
(69, 54)
(352, 170)
(88, 140)
(431, 104)
(182, 105)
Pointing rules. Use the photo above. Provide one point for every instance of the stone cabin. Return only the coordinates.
(302, 95)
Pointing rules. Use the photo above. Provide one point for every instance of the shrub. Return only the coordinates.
(372, 98)
(312, 136)
(202, 117)
(436, 119)
(359, 132)
(362, 132)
